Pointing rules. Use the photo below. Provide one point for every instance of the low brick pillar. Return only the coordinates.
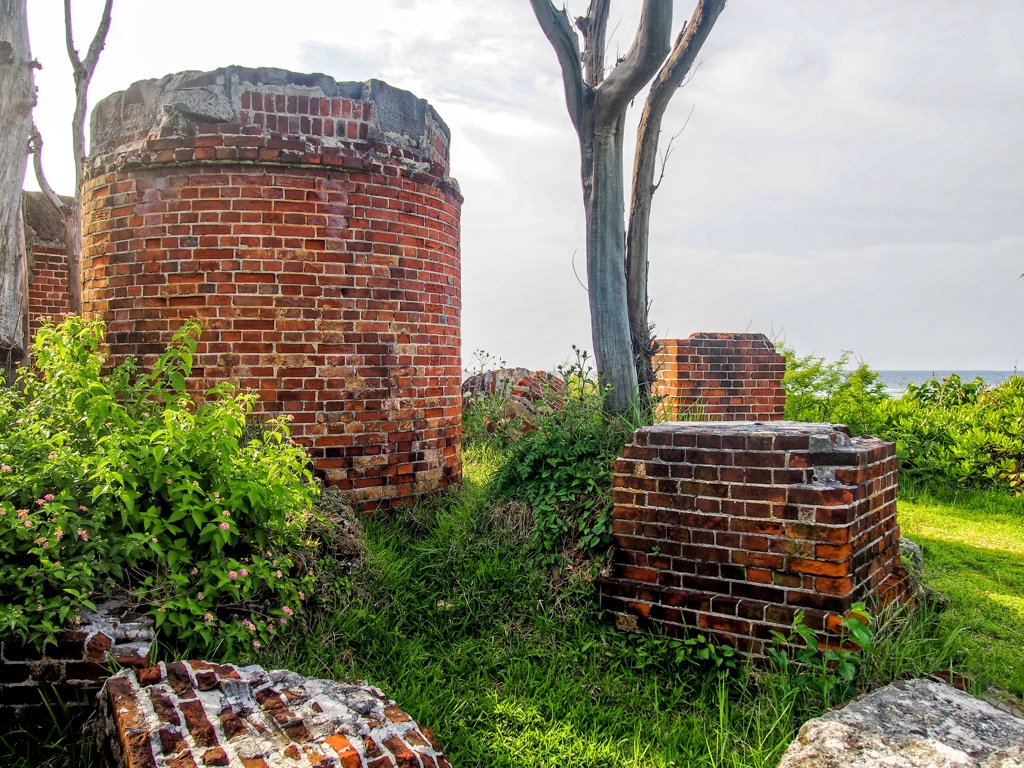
(720, 377)
(733, 527)
(193, 713)
(76, 667)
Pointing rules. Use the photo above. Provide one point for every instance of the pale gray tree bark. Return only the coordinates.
(669, 79)
(597, 103)
(71, 213)
(17, 94)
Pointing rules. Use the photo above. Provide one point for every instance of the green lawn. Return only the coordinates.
(973, 546)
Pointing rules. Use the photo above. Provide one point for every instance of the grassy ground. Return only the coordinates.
(510, 667)
(973, 546)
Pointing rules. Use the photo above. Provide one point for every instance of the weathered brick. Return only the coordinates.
(312, 288)
(752, 541)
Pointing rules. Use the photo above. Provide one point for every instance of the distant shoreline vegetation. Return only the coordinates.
(896, 382)
(950, 428)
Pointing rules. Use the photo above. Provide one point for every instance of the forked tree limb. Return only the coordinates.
(666, 83)
(35, 147)
(71, 213)
(650, 47)
(83, 72)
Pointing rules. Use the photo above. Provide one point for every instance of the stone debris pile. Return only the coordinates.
(194, 713)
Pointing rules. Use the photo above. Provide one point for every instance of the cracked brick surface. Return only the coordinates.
(194, 713)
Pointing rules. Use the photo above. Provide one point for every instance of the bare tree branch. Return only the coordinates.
(99, 40)
(558, 30)
(668, 152)
(594, 27)
(35, 148)
(69, 38)
(684, 52)
(84, 70)
(668, 80)
(651, 45)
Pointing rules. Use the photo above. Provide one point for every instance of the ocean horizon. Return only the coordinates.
(896, 382)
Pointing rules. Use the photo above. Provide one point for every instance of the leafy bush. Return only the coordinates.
(120, 481)
(817, 390)
(959, 432)
(946, 432)
(826, 674)
(563, 468)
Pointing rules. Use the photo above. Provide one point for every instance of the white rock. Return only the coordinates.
(910, 724)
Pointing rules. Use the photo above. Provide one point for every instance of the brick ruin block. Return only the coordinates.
(734, 527)
(312, 226)
(74, 668)
(720, 377)
(193, 713)
(47, 260)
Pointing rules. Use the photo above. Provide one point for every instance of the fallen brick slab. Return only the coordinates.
(193, 713)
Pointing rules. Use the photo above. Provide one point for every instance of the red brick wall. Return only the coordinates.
(734, 527)
(326, 273)
(48, 284)
(720, 376)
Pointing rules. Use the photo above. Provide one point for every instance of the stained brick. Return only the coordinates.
(746, 559)
(311, 286)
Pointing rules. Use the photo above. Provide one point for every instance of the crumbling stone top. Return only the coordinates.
(194, 713)
(823, 443)
(289, 102)
(751, 427)
(910, 724)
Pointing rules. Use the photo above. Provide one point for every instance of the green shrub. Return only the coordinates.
(563, 468)
(119, 481)
(959, 432)
(817, 390)
(946, 432)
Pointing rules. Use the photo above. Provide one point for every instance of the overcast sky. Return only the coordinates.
(852, 176)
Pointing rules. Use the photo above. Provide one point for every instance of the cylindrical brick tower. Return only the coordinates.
(312, 227)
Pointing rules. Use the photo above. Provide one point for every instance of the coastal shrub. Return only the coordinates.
(817, 390)
(119, 482)
(958, 432)
(947, 431)
(563, 468)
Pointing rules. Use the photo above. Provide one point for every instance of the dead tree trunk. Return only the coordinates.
(17, 94)
(597, 107)
(667, 82)
(71, 213)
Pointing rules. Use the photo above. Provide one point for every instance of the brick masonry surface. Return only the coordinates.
(733, 527)
(193, 713)
(720, 377)
(47, 258)
(313, 228)
(75, 667)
